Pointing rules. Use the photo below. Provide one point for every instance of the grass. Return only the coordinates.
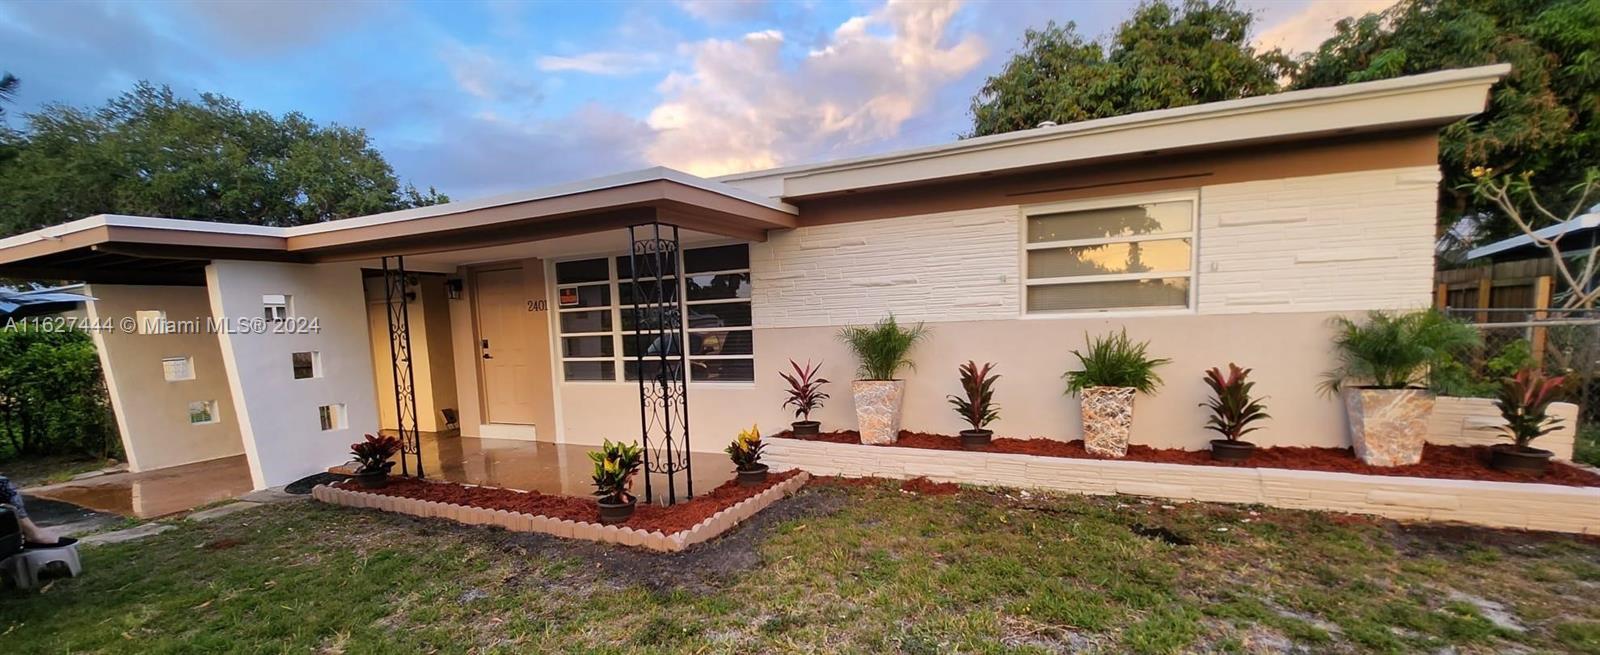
(39, 471)
(1586, 446)
(840, 568)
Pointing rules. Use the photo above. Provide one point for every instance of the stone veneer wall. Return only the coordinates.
(1493, 504)
(1476, 421)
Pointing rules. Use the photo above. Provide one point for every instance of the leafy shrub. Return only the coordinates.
(614, 466)
(805, 389)
(977, 408)
(1458, 375)
(1232, 408)
(1524, 403)
(52, 396)
(375, 452)
(745, 451)
(1115, 361)
(883, 348)
(1395, 351)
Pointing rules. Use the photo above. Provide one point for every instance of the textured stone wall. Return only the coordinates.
(1476, 421)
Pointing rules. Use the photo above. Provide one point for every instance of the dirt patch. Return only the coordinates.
(1440, 462)
(668, 520)
(223, 544)
(928, 487)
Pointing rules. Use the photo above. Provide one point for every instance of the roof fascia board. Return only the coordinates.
(1584, 222)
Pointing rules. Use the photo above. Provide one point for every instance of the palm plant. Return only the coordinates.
(1115, 361)
(883, 348)
(1232, 410)
(1395, 351)
(1524, 402)
(614, 466)
(977, 408)
(805, 389)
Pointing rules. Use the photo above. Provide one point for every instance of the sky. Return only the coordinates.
(478, 98)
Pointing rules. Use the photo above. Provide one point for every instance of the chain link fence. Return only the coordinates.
(1561, 342)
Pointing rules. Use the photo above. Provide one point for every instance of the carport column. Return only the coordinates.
(295, 421)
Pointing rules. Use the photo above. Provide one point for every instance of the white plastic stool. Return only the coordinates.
(25, 567)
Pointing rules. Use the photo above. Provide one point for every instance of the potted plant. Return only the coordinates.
(1232, 412)
(1113, 369)
(614, 466)
(372, 457)
(977, 408)
(882, 350)
(1524, 402)
(745, 451)
(1383, 364)
(805, 394)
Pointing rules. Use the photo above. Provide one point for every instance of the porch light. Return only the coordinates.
(452, 288)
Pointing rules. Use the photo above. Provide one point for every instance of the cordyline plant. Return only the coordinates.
(745, 451)
(374, 453)
(1232, 410)
(1524, 403)
(883, 348)
(1395, 351)
(805, 389)
(614, 466)
(1115, 361)
(977, 408)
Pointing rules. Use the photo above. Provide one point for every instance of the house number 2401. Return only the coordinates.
(538, 305)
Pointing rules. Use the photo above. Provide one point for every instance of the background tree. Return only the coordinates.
(1165, 55)
(1541, 122)
(8, 90)
(151, 153)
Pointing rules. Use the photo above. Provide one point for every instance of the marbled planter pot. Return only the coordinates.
(1388, 426)
(878, 409)
(1107, 420)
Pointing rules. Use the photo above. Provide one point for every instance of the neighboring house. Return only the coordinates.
(1222, 232)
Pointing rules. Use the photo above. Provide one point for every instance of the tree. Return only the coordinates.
(1517, 199)
(8, 90)
(1541, 121)
(151, 153)
(1165, 55)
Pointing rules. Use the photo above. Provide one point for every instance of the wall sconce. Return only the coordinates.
(452, 288)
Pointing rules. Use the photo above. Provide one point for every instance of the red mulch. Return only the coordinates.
(928, 487)
(647, 517)
(1443, 462)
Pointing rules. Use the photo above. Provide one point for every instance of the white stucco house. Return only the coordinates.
(1221, 232)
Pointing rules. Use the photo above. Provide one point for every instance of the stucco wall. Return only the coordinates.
(432, 366)
(152, 413)
(278, 415)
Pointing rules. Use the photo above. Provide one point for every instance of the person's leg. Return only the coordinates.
(31, 532)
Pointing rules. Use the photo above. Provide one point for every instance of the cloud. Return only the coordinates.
(741, 106)
(1306, 29)
(487, 77)
(598, 63)
(260, 27)
(727, 11)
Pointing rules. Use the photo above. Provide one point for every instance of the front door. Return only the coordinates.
(504, 347)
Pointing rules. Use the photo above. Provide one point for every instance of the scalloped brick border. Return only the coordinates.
(710, 528)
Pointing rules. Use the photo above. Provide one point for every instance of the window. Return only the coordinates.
(275, 307)
(202, 412)
(1088, 257)
(306, 365)
(177, 369)
(332, 417)
(597, 327)
(151, 321)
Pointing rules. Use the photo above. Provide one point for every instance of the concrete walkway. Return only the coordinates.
(249, 501)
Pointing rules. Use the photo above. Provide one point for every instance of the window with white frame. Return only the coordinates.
(177, 369)
(1130, 254)
(202, 412)
(598, 334)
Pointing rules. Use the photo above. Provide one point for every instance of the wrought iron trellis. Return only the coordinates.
(397, 297)
(658, 354)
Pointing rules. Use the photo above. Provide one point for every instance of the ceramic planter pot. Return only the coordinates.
(976, 438)
(753, 477)
(614, 513)
(805, 428)
(1223, 450)
(1526, 461)
(878, 409)
(1388, 426)
(373, 479)
(1107, 420)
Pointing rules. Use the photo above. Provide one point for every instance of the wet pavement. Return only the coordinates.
(546, 467)
(153, 494)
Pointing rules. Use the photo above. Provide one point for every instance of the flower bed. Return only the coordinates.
(1438, 462)
(651, 526)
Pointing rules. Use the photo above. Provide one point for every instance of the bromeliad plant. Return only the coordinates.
(1233, 409)
(805, 395)
(745, 451)
(977, 406)
(614, 467)
(1524, 401)
(373, 458)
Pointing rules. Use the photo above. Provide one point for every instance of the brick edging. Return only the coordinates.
(711, 527)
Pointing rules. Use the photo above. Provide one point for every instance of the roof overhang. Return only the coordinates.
(143, 250)
(1429, 100)
(1578, 225)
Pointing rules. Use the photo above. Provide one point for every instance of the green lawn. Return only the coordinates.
(836, 568)
(39, 471)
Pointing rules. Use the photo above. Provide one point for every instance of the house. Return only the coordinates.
(1221, 232)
